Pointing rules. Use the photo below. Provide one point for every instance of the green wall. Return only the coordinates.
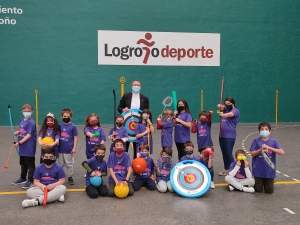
(53, 48)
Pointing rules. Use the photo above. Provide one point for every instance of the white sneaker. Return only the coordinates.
(248, 189)
(30, 202)
(61, 198)
(230, 188)
(212, 185)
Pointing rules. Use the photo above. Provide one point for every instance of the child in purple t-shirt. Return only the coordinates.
(182, 120)
(263, 174)
(27, 147)
(120, 133)
(67, 143)
(202, 130)
(163, 167)
(50, 128)
(166, 128)
(96, 166)
(205, 158)
(144, 128)
(119, 166)
(189, 150)
(239, 174)
(145, 178)
(48, 175)
(94, 134)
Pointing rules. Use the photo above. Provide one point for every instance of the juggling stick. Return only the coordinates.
(174, 96)
(6, 165)
(167, 101)
(95, 134)
(45, 196)
(221, 97)
(12, 127)
(114, 108)
(267, 159)
(149, 139)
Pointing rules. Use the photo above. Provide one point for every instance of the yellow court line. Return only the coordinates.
(83, 189)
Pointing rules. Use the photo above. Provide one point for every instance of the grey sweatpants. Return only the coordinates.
(53, 195)
(68, 161)
(163, 186)
(239, 183)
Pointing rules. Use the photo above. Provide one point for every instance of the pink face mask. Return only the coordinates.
(50, 124)
(119, 150)
(94, 123)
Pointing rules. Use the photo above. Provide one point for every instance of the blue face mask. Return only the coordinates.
(136, 89)
(189, 152)
(144, 154)
(264, 133)
(27, 114)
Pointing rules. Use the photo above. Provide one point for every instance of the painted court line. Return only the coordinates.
(83, 189)
(278, 171)
(285, 175)
(295, 179)
(288, 210)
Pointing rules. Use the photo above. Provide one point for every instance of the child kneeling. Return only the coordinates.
(239, 174)
(145, 178)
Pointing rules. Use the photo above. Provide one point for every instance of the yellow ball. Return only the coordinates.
(47, 140)
(121, 191)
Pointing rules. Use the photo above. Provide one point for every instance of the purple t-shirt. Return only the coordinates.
(259, 167)
(121, 133)
(182, 133)
(119, 165)
(203, 135)
(241, 174)
(91, 142)
(49, 133)
(187, 158)
(140, 128)
(165, 170)
(147, 173)
(166, 134)
(229, 123)
(66, 141)
(94, 164)
(204, 162)
(49, 175)
(27, 148)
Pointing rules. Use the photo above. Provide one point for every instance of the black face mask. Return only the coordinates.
(119, 124)
(66, 120)
(229, 107)
(100, 157)
(180, 108)
(49, 161)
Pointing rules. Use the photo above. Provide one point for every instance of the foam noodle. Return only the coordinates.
(174, 96)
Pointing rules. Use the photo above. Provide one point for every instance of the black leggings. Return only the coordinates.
(134, 148)
(27, 165)
(94, 192)
(180, 149)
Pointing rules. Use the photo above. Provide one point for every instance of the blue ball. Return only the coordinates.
(96, 181)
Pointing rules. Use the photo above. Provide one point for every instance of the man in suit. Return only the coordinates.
(133, 100)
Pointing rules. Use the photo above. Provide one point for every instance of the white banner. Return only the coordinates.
(158, 48)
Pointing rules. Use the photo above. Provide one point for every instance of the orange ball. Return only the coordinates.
(139, 165)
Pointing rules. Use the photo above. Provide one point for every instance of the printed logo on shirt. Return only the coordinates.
(202, 132)
(22, 130)
(94, 139)
(64, 134)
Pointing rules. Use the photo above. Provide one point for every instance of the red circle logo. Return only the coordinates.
(190, 178)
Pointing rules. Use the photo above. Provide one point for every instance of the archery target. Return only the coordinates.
(131, 118)
(190, 179)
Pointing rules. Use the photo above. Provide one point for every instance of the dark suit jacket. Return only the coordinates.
(126, 102)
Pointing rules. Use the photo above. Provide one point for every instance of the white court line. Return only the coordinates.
(295, 179)
(278, 171)
(285, 175)
(288, 210)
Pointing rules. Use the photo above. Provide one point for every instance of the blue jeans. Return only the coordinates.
(226, 145)
(212, 173)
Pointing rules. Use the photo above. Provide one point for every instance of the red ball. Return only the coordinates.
(139, 165)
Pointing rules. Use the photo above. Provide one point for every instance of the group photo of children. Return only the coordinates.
(58, 146)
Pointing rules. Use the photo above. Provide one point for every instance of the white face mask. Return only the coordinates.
(136, 89)
(264, 133)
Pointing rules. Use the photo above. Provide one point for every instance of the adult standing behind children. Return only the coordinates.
(133, 99)
(27, 147)
(182, 120)
(230, 117)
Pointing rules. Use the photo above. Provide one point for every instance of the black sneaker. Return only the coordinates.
(71, 181)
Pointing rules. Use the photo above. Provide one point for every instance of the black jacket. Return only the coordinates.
(126, 102)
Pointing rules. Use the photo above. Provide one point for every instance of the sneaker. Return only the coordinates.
(61, 199)
(248, 189)
(30, 202)
(231, 188)
(27, 185)
(212, 185)
(19, 181)
(71, 181)
(84, 175)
